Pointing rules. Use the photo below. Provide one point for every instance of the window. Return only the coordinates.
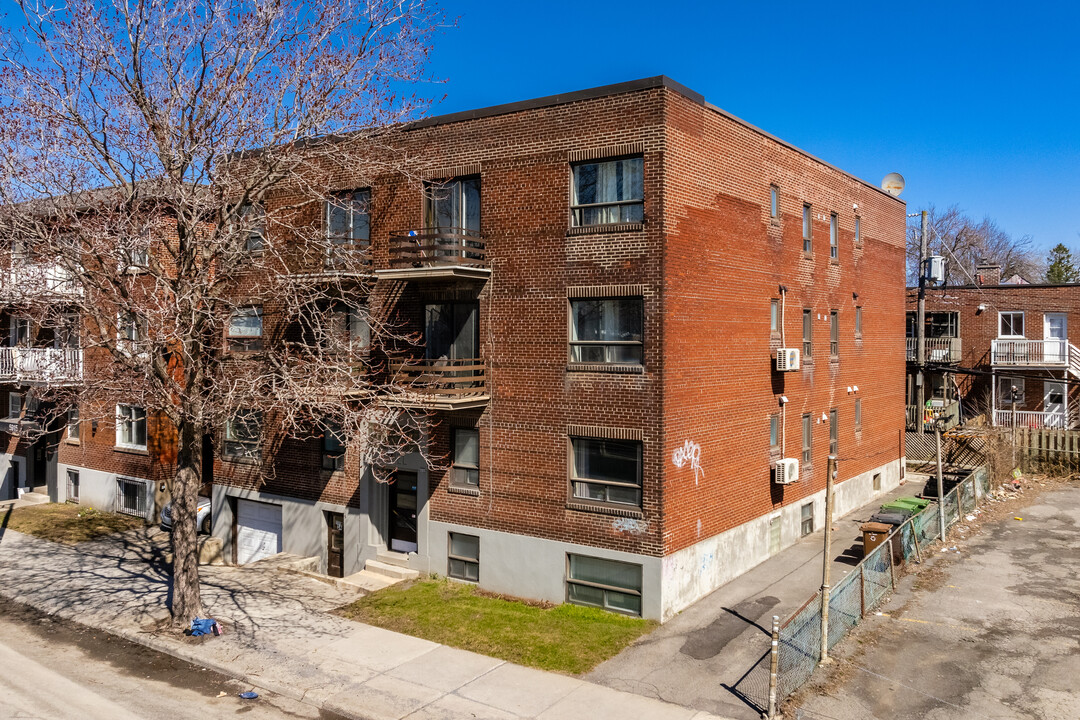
(15, 405)
(1005, 392)
(807, 519)
(135, 253)
(1011, 324)
(463, 557)
(807, 230)
(350, 328)
(73, 423)
(807, 333)
(858, 415)
(807, 432)
(774, 202)
(774, 431)
(348, 225)
(466, 465)
(242, 435)
(834, 433)
(453, 205)
(131, 331)
(947, 324)
(73, 486)
(858, 322)
(253, 217)
(858, 230)
(834, 333)
(607, 584)
(333, 447)
(877, 482)
(774, 317)
(20, 332)
(608, 192)
(606, 471)
(131, 497)
(834, 236)
(246, 330)
(606, 330)
(131, 427)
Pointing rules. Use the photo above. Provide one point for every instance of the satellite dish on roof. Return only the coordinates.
(893, 183)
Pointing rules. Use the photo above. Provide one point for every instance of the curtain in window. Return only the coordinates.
(614, 181)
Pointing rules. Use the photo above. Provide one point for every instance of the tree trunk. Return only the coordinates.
(186, 597)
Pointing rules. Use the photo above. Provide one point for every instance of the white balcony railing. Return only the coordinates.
(38, 280)
(1031, 419)
(938, 350)
(40, 365)
(1030, 353)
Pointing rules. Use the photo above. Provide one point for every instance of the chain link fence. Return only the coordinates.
(857, 594)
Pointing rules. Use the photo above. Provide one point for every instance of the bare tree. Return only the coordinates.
(170, 176)
(964, 241)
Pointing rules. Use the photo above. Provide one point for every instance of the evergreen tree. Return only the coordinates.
(1060, 267)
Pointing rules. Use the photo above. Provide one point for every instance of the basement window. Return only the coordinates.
(607, 584)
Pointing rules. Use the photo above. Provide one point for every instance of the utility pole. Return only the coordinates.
(940, 482)
(920, 328)
(827, 564)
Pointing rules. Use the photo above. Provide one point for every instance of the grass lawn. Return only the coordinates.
(564, 638)
(67, 523)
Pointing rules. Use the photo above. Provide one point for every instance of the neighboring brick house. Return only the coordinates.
(603, 283)
(999, 337)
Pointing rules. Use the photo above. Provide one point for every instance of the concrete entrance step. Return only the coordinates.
(394, 572)
(390, 557)
(369, 581)
(34, 498)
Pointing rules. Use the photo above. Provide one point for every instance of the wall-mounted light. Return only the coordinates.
(783, 400)
(855, 388)
(824, 417)
(849, 389)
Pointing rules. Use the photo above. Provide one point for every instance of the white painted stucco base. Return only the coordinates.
(692, 573)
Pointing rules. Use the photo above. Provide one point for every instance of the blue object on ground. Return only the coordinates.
(202, 626)
(249, 695)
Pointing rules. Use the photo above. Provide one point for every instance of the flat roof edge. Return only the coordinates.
(560, 99)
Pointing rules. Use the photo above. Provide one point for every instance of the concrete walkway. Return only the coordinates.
(280, 637)
(699, 657)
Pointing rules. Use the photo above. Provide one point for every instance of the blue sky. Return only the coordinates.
(975, 103)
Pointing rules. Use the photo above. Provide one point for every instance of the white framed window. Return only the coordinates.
(774, 202)
(466, 465)
(774, 431)
(1011, 324)
(807, 230)
(131, 331)
(131, 427)
(807, 439)
(806, 519)
(606, 330)
(463, 557)
(1005, 391)
(348, 226)
(602, 583)
(20, 332)
(858, 230)
(774, 317)
(243, 434)
(834, 236)
(858, 415)
(245, 333)
(131, 496)
(608, 192)
(15, 405)
(73, 423)
(606, 471)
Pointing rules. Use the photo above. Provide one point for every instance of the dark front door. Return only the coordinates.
(39, 479)
(403, 509)
(335, 544)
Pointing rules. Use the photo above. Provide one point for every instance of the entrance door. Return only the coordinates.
(403, 508)
(1055, 334)
(1054, 403)
(335, 544)
(452, 331)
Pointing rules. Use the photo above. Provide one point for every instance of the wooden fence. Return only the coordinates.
(1042, 449)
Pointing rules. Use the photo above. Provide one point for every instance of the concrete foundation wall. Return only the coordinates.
(97, 489)
(694, 572)
(532, 567)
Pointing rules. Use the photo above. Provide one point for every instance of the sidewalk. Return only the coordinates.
(697, 658)
(280, 637)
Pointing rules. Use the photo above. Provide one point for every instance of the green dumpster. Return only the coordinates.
(912, 505)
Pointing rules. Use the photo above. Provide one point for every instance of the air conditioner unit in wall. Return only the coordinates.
(787, 471)
(787, 359)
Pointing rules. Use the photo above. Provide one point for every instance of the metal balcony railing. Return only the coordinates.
(938, 350)
(1031, 419)
(437, 247)
(40, 365)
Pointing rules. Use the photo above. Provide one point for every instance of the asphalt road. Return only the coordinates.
(990, 631)
(54, 669)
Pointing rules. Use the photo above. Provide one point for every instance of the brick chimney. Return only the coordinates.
(987, 272)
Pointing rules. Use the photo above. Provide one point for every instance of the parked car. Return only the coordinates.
(202, 516)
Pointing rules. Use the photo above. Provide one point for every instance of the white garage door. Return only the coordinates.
(258, 530)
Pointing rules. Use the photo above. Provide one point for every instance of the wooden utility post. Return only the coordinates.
(940, 482)
(920, 329)
(826, 567)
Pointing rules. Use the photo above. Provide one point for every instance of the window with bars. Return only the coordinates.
(608, 584)
(131, 496)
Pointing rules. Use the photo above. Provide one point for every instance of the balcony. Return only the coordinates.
(1031, 419)
(37, 281)
(435, 253)
(342, 261)
(40, 365)
(1034, 353)
(938, 350)
(947, 412)
(440, 384)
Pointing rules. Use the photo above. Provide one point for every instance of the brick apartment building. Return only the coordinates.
(988, 337)
(602, 288)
